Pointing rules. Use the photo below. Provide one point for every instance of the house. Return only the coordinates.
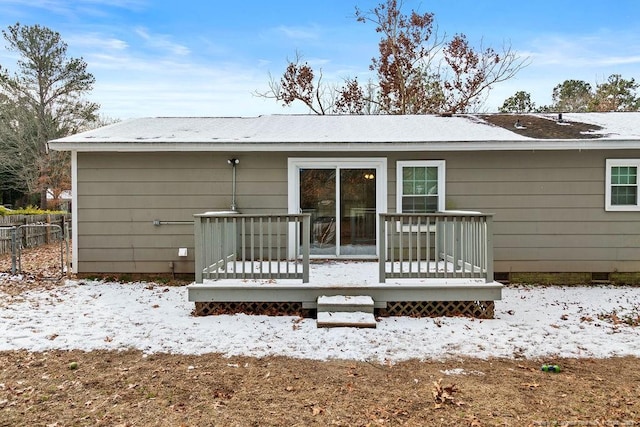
(563, 190)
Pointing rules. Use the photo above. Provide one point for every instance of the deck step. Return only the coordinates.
(355, 311)
(345, 303)
(351, 319)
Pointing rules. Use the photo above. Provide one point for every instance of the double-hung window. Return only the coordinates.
(420, 186)
(622, 188)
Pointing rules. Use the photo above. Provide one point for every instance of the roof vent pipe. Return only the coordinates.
(233, 163)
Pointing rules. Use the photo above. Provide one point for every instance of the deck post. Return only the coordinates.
(306, 243)
(199, 252)
(382, 248)
(489, 247)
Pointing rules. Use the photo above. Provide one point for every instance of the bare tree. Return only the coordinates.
(300, 83)
(474, 72)
(417, 71)
(43, 100)
(20, 151)
(351, 99)
(409, 43)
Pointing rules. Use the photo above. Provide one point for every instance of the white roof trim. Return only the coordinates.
(544, 145)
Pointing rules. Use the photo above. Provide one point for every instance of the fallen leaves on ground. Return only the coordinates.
(443, 395)
(132, 388)
(123, 388)
(41, 268)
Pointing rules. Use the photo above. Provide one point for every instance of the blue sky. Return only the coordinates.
(205, 58)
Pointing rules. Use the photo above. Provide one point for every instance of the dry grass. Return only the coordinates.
(131, 389)
(126, 388)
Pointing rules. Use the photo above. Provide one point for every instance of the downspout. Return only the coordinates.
(233, 163)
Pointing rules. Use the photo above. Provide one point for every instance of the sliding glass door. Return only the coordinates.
(343, 199)
(318, 198)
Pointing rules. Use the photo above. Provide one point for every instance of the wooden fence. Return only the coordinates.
(32, 236)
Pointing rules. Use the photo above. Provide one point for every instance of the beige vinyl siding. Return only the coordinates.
(549, 209)
(121, 194)
(549, 206)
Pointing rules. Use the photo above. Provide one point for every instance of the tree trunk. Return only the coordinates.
(43, 199)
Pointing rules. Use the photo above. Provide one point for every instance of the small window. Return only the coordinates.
(420, 186)
(622, 190)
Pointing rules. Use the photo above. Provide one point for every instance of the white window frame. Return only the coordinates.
(611, 163)
(440, 164)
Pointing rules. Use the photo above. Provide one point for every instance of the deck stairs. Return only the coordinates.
(345, 311)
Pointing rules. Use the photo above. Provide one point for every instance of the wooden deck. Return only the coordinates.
(353, 278)
(429, 264)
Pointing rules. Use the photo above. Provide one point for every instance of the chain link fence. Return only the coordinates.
(18, 232)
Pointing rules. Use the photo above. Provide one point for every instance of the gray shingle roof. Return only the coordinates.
(351, 129)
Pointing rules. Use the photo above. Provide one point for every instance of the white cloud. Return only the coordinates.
(298, 33)
(620, 60)
(128, 86)
(93, 42)
(593, 50)
(558, 57)
(77, 7)
(161, 42)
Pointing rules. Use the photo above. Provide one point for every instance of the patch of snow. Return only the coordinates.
(335, 129)
(529, 323)
(616, 125)
(345, 300)
(297, 129)
(460, 371)
(11, 277)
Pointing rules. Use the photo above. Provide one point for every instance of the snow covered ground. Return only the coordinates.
(540, 322)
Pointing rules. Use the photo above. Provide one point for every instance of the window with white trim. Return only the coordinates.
(622, 190)
(420, 186)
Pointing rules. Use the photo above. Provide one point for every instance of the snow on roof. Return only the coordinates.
(350, 131)
(614, 125)
(297, 128)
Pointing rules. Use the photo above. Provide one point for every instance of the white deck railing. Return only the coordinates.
(444, 245)
(450, 245)
(251, 247)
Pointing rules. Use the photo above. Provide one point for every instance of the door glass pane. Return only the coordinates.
(357, 212)
(318, 197)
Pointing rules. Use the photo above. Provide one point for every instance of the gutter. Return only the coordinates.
(396, 146)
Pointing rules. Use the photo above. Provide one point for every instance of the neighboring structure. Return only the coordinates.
(563, 191)
(62, 203)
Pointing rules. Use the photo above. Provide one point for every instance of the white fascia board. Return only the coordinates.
(544, 145)
(74, 211)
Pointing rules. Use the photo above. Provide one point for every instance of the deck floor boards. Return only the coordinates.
(339, 277)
